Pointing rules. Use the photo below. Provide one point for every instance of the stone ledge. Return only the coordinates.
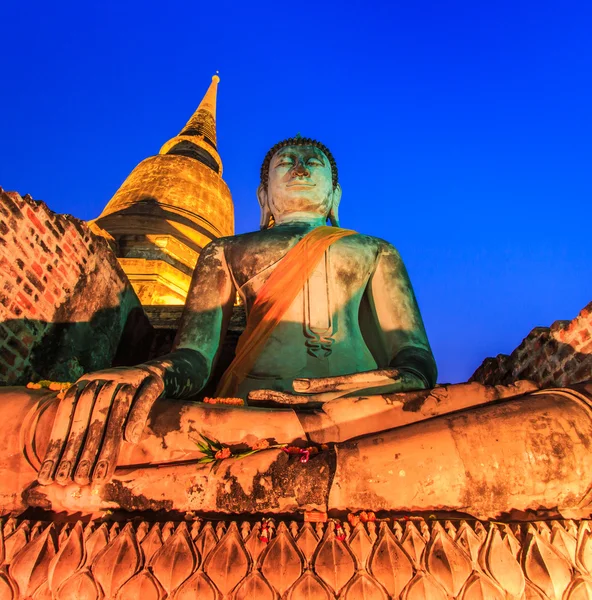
(394, 558)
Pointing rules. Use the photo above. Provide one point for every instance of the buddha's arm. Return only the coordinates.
(397, 318)
(203, 325)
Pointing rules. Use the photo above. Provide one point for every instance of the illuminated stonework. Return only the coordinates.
(170, 207)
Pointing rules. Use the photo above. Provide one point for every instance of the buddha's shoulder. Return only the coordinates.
(372, 243)
(256, 240)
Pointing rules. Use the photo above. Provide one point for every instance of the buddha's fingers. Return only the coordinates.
(96, 428)
(278, 397)
(151, 389)
(107, 460)
(78, 430)
(351, 382)
(59, 433)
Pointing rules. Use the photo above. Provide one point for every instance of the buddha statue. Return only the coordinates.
(351, 326)
(334, 355)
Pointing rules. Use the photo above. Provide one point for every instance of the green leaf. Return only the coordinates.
(212, 443)
(203, 448)
(205, 460)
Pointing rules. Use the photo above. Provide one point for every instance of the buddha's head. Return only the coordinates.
(299, 176)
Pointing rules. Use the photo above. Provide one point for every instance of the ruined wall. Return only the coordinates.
(550, 356)
(65, 303)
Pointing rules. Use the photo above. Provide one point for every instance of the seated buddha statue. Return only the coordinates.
(335, 342)
(330, 312)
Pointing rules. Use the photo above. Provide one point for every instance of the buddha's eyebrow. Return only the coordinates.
(285, 155)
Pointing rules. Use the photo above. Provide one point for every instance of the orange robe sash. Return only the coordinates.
(273, 300)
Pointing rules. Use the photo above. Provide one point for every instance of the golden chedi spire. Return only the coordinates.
(169, 207)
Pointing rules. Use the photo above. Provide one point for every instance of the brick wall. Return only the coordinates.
(64, 300)
(549, 356)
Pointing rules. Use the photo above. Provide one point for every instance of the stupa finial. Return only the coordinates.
(203, 120)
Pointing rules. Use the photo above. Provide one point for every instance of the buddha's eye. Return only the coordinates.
(286, 162)
(314, 162)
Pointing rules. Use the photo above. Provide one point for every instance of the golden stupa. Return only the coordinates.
(169, 207)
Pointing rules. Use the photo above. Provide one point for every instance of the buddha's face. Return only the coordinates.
(300, 181)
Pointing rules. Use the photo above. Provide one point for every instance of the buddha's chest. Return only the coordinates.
(322, 303)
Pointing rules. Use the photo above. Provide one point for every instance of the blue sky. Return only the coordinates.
(462, 131)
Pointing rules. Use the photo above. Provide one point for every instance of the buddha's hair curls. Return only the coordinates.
(297, 141)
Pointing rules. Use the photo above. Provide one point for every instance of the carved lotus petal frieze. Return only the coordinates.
(14, 543)
(362, 586)
(447, 562)
(361, 545)
(176, 560)
(254, 585)
(294, 565)
(95, 543)
(333, 561)
(142, 531)
(253, 543)
(143, 586)
(199, 585)
(43, 592)
(307, 541)
(532, 592)
(29, 567)
(117, 562)
(151, 542)
(309, 586)
(480, 587)
(413, 543)
(206, 541)
(422, 587)
(389, 563)
(69, 558)
(584, 547)
(114, 531)
(545, 567)
(8, 588)
(81, 586)
(167, 530)
(467, 539)
(564, 542)
(228, 562)
(497, 561)
(511, 541)
(282, 562)
(580, 589)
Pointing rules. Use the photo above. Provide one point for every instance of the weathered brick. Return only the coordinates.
(45, 258)
(36, 222)
(550, 356)
(8, 356)
(35, 281)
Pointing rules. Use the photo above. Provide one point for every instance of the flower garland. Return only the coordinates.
(54, 386)
(215, 451)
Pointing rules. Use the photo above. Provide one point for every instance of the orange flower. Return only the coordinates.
(222, 454)
(292, 449)
(353, 519)
(260, 445)
(228, 401)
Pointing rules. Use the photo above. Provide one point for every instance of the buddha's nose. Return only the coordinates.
(300, 170)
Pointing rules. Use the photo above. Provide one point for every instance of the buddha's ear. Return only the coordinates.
(334, 212)
(266, 216)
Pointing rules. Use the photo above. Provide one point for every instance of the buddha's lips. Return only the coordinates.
(301, 185)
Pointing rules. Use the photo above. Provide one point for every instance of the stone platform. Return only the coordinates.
(410, 558)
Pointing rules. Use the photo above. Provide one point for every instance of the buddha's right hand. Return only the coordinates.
(96, 414)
